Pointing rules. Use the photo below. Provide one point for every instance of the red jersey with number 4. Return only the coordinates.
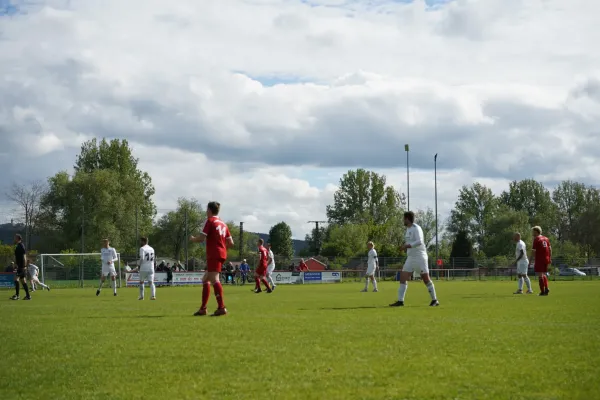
(264, 256)
(541, 245)
(217, 233)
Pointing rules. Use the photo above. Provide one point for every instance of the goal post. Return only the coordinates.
(74, 269)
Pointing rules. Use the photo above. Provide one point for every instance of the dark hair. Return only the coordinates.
(214, 207)
(19, 237)
(144, 239)
(410, 216)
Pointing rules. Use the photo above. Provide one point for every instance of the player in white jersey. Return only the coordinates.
(108, 256)
(416, 260)
(522, 264)
(270, 267)
(372, 265)
(32, 275)
(146, 268)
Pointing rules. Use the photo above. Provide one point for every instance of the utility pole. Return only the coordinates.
(317, 237)
(187, 241)
(437, 245)
(407, 178)
(137, 234)
(81, 277)
(241, 240)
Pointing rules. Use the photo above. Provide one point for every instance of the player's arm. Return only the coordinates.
(550, 252)
(417, 242)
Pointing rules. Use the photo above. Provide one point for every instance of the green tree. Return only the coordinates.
(531, 197)
(250, 239)
(473, 212)
(426, 220)
(170, 236)
(315, 241)
(462, 247)
(348, 240)
(280, 237)
(502, 228)
(103, 197)
(364, 197)
(586, 230)
(570, 200)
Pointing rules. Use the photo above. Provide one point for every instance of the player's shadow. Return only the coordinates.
(341, 308)
(127, 317)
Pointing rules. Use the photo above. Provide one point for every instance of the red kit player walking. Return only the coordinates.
(541, 252)
(261, 270)
(218, 240)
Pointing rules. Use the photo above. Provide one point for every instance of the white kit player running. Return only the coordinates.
(372, 265)
(522, 264)
(32, 274)
(416, 260)
(146, 268)
(108, 255)
(270, 267)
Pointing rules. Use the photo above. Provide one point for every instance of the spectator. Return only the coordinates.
(229, 272)
(169, 274)
(244, 269)
(10, 268)
(161, 266)
(292, 267)
(303, 267)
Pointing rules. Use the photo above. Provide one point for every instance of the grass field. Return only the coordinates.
(305, 342)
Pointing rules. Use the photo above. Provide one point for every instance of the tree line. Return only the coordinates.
(109, 196)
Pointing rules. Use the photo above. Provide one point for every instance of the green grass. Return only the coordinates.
(305, 342)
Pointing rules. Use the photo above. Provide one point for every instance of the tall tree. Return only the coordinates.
(426, 220)
(280, 237)
(315, 241)
(534, 199)
(28, 197)
(170, 236)
(502, 228)
(250, 240)
(462, 247)
(473, 212)
(570, 200)
(346, 241)
(102, 199)
(363, 197)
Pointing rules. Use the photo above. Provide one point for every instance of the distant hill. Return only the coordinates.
(298, 245)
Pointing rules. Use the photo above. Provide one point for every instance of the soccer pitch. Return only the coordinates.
(305, 342)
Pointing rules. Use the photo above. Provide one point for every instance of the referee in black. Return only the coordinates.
(20, 274)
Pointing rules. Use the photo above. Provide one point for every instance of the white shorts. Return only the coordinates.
(416, 264)
(370, 271)
(109, 270)
(522, 268)
(270, 269)
(146, 276)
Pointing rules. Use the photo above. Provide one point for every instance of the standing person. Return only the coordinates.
(261, 270)
(146, 268)
(169, 271)
(522, 264)
(108, 255)
(244, 269)
(218, 239)
(302, 267)
(20, 273)
(372, 265)
(541, 254)
(270, 266)
(416, 260)
(32, 274)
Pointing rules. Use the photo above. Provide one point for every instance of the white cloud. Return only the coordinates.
(264, 104)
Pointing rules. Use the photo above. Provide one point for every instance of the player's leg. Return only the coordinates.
(257, 288)
(105, 272)
(113, 281)
(17, 288)
(366, 288)
(430, 287)
(374, 282)
(29, 279)
(546, 288)
(142, 276)
(541, 280)
(43, 285)
(152, 286)
(519, 283)
(527, 282)
(263, 279)
(270, 277)
(23, 279)
(405, 275)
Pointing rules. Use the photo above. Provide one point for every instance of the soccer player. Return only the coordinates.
(108, 256)
(270, 267)
(261, 270)
(541, 254)
(146, 268)
(20, 273)
(244, 269)
(522, 264)
(32, 274)
(218, 239)
(416, 260)
(372, 265)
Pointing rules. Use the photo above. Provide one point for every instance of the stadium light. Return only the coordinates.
(436, 208)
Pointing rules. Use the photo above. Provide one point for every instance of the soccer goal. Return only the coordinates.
(74, 270)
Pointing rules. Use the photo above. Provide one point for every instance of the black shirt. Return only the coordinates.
(20, 255)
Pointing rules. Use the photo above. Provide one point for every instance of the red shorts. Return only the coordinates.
(261, 271)
(214, 265)
(541, 267)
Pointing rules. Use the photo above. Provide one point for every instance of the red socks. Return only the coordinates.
(257, 283)
(266, 283)
(219, 294)
(545, 282)
(541, 282)
(206, 294)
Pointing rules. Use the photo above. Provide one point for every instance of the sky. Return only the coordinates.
(264, 104)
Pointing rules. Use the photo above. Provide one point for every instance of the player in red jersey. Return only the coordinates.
(541, 253)
(261, 270)
(218, 240)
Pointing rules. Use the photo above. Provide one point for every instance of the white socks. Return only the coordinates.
(270, 280)
(367, 283)
(402, 291)
(528, 283)
(114, 286)
(520, 284)
(152, 289)
(141, 290)
(374, 283)
(101, 283)
(43, 285)
(431, 289)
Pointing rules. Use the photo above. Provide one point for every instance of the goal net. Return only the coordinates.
(73, 270)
